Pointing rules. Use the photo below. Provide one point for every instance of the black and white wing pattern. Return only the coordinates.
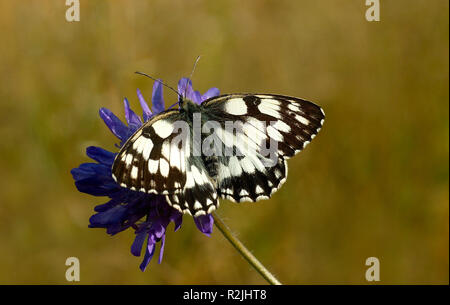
(154, 161)
(147, 162)
(159, 159)
(291, 123)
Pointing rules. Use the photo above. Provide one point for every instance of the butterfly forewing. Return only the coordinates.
(149, 161)
(154, 161)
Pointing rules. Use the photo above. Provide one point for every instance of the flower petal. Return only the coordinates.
(92, 170)
(85, 170)
(185, 87)
(158, 229)
(157, 98)
(117, 127)
(108, 205)
(111, 216)
(146, 113)
(136, 247)
(204, 223)
(177, 219)
(161, 250)
(196, 97)
(212, 92)
(148, 254)
(100, 155)
(133, 120)
(96, 186)
(94, 179)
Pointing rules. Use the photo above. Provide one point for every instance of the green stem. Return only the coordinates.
(244, 251)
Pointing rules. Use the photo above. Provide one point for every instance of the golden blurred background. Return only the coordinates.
(373, 183)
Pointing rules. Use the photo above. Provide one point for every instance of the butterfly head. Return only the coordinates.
(186, 104)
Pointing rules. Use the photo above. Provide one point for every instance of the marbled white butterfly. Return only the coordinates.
(191, 155)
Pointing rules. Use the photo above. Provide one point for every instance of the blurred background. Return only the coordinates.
(373, 183)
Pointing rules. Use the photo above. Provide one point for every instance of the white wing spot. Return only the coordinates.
(245, 199)
(163, 128)
(273, 101)
(282, 126)
(153, 166)
(243, 193)
(138, 145)
(165, 150)
(247, 165)
(267, 109)
(197, 175)
(223, 172)
(278, 173)
(211, 209)
(134, 172)
(189, 180)
(175, 160)
(236, 106)
(148, 146)
(198, 213)
(274, 134)
(259, 190)
(197, 205)
(129, 159)
(164, 167)
(302, 120)
(293, 107)
(234, 166)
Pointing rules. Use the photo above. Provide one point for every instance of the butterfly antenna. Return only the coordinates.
(170, 107)
(192, 72)
(159, 81)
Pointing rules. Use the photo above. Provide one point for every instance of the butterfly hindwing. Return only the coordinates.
(199, 195)
(250, 186)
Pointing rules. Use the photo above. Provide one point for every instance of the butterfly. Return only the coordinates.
(192, 157)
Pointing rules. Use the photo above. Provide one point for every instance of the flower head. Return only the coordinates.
(148, 214)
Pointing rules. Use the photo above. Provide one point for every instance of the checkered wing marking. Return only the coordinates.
(199, 196)
(148, 162)
(291, 122)
(153, 161)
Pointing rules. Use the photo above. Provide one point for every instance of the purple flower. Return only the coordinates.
(148, 214)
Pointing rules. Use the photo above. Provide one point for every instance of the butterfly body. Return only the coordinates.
(231, 146)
